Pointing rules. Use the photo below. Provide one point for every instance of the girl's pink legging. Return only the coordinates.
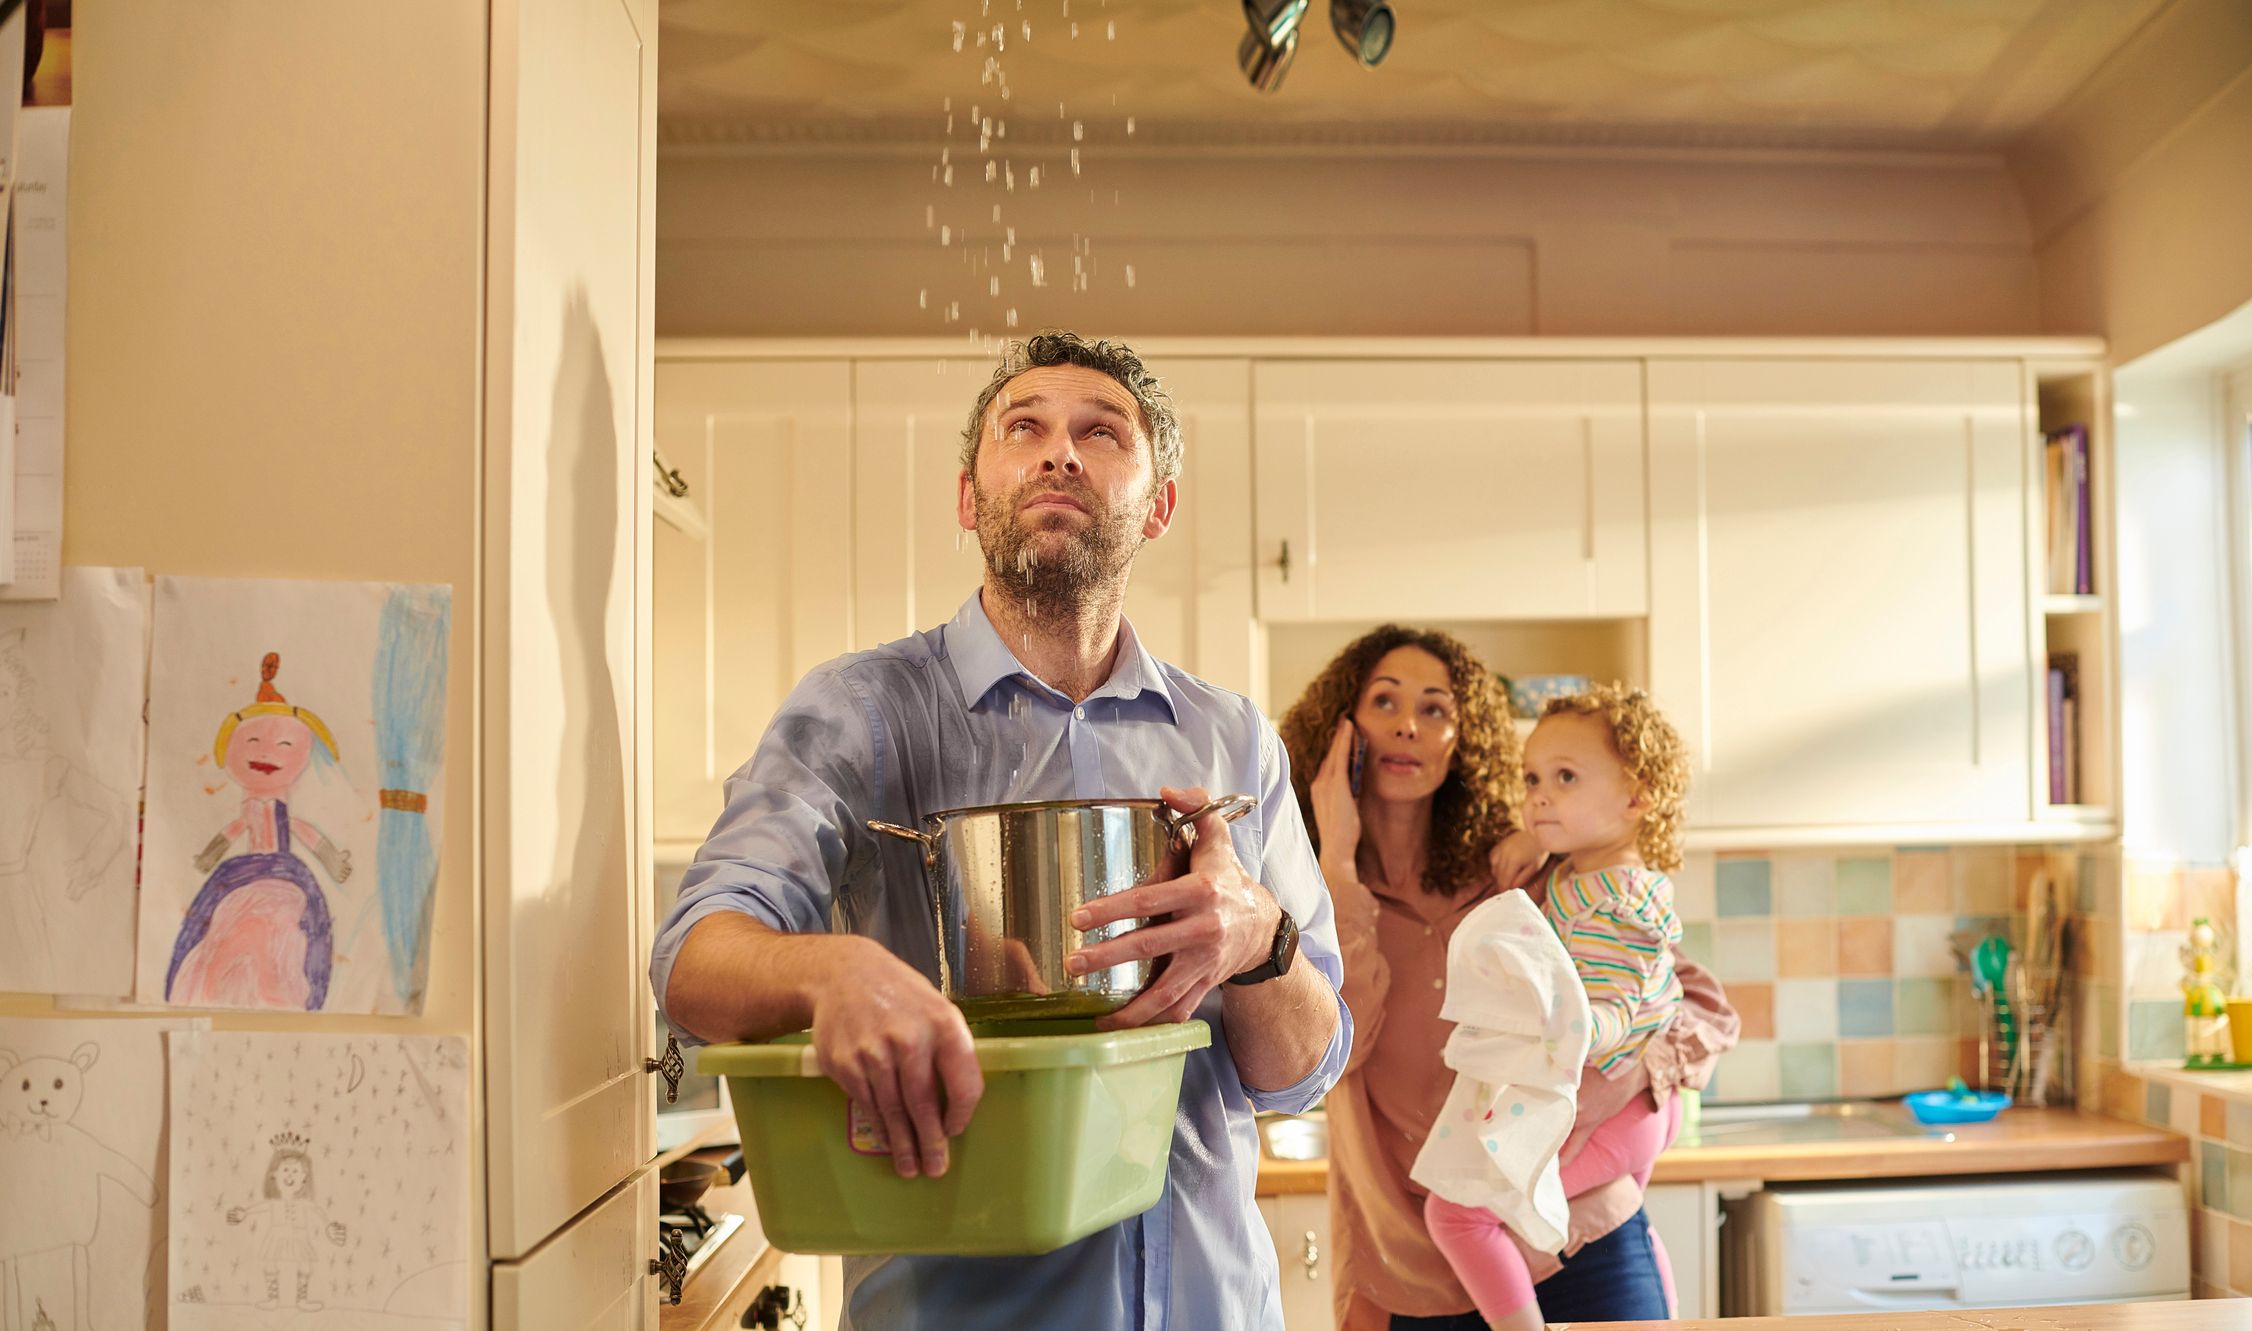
(1478, 1246)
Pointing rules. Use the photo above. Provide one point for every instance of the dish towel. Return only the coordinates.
(1520, 1037)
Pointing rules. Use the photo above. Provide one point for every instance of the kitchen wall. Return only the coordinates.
(801, 240)
(1840, 962)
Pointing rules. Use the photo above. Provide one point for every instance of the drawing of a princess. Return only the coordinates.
(258, 934)
(290, 1221)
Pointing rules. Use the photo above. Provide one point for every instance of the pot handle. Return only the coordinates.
(1229, 807)
(927, 840)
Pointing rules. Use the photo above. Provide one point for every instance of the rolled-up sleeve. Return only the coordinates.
(1292, 872)
(793, 818)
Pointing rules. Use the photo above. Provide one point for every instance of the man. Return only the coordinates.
(1037, 689)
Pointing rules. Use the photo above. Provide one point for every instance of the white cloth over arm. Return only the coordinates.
(1520, 1037)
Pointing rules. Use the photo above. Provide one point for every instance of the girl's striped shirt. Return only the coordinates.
(1619, 926)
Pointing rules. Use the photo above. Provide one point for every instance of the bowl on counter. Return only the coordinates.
(1956, 1106)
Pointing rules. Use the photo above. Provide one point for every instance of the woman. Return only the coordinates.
(1407, 767)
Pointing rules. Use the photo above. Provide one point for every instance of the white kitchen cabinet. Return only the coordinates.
(1449, 490)
(1299, 1223)
(763, 594)
(1838, 611)
(563, 695)
(1686, 1219)
(594, 1274)
(913, 565)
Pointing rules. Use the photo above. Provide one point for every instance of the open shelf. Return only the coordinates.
(2076, 630)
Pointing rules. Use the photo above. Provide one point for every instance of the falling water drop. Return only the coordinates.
(993, 285)
(1075, 161)
(1129, 274)
(992, 170)
(923, 299)
(1078, 130)
(1028, 30)
(949, 176)
(1035, 178)
(1010, 238)
(1039, 272)
(1009, 178)
(996, 212)
(1012, 316)
(1129, 127)
(1112, 33)
(946, 235)
(1075, 32)
(961, 30)
(930, 216)
(1004, 253)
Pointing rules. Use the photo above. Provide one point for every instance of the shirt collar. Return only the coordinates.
(982, 661)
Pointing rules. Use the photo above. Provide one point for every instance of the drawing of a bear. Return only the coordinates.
(42, 1247)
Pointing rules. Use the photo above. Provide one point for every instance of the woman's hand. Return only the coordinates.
(1516, 861)
(1337, 811)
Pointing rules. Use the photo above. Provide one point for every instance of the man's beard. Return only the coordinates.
(1091, 559)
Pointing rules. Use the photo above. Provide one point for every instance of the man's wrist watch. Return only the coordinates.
(1279, 956)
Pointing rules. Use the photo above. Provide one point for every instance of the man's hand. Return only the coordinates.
(889, 1039)
(1211, 922)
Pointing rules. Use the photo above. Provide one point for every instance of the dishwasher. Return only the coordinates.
(2015, 1241)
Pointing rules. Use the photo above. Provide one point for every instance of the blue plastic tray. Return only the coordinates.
(1949, 1107)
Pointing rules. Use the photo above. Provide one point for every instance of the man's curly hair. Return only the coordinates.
(1484, 786)
(1656, 762)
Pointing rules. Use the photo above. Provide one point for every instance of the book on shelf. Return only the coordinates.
(2071, 549)
(2064, 728)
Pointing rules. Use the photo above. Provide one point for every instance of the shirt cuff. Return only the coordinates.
(667, 950)
(1303, 1094)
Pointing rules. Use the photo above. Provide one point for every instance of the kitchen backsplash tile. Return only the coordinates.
(1864, 886)
(1743, 888)
(1842, 964)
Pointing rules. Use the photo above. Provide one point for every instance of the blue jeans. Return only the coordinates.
(1614, 1279)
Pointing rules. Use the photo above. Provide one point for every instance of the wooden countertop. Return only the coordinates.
(2019, 1141)
(2200, 1315)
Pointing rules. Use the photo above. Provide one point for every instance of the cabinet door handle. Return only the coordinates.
(671, 1066)
(670, 1265)
(1284, 562)
(1312, 1257)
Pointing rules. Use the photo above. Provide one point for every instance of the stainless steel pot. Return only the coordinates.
(1005, 879)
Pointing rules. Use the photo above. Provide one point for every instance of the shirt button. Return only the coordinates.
(1079, 712)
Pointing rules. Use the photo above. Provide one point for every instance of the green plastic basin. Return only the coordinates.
(1073, 1135)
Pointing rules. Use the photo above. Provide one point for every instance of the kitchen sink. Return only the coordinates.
(1295, 1136)
(1822, 1121)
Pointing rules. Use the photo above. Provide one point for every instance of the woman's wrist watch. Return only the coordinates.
(1279, 956)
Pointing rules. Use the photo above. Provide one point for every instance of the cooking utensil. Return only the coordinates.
(1005, 878)
(682, 1182)
(1991, 964)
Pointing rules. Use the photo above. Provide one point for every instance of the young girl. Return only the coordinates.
(291, 1221)
(1605, 776)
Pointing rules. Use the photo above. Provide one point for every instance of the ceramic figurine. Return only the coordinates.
(2204, 1017)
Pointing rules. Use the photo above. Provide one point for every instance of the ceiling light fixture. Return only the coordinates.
(1265, 53)
(1365, 27)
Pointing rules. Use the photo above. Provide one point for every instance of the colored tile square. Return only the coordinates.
(2213, 1175)
(1922, 1064)
(1865, 885)
(1806, 947)
(1923, 946)
(1806, 886)
(2240, 1252)
(1982, 880)
(1865, 1067)
(1807, 1071)
(2240, 1125)
(1696, 942)
(1755, 1004)
(1864, 1007)
(1805, 1010)
(1742, 888)
(1924, 1007)
(2239, 1186)
(2154, 1031)
(1865, 946)
(1693, 890)
(2212, 1117)
(1923, 882)
(1744, 950)
(2158, 1105)
(2107, 1020)
(1749, 1073)
(2210, 1259)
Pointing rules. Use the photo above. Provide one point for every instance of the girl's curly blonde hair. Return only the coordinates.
(1485, 784)
(1656, 761)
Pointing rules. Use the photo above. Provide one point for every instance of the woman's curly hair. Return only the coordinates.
(1656, 761)
(1484, 786)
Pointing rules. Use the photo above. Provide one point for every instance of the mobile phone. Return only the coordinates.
(1360, 756)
